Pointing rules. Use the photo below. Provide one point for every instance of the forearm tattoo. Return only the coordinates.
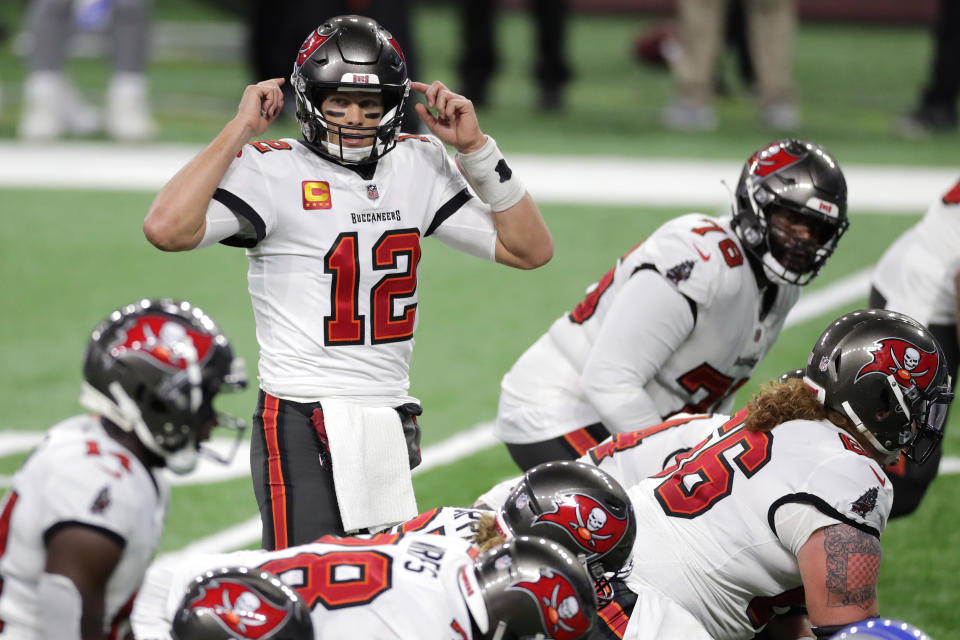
(853, 564)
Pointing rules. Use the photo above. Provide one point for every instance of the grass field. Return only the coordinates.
(69, 256)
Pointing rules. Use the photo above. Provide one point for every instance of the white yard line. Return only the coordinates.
(599, 180)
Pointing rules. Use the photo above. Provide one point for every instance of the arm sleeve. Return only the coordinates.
(468, 229)
(222, 223)
(796, 522)
(647, 322)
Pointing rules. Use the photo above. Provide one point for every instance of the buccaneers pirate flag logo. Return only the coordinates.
(162, 341)
(241, 611)
(588, 522)
(908, 364)
(560, 609)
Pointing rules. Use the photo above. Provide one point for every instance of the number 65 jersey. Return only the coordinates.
(334, 256)
(387, 587)
(723, 525)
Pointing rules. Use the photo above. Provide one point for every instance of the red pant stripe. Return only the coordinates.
(278, 490)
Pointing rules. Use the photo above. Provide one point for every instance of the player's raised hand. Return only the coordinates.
(260, 105)
(449, 116)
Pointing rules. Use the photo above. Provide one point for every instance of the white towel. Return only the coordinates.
(371, 470)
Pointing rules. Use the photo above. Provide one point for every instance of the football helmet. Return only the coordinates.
(886, 372)
(528, 588)
(153, 367)
(579, 506)
(801, 181)
(880, 629)
(237, 603)
(350, 53)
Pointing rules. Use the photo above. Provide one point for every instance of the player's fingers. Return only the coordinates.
(425, 115)
(419, 87)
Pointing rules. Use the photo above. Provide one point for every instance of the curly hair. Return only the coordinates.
(778, 402)
(486, 535)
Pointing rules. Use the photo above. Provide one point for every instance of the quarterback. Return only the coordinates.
(86, 511)
(681, 320)
(332, 224)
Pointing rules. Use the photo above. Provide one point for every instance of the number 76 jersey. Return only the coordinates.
(724, 523)
(388, 587)
(334, 256)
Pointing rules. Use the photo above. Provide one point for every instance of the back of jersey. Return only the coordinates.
(387, 586)
(709, 538)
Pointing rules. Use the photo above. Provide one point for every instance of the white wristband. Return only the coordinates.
(491, 178)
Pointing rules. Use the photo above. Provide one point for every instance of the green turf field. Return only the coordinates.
(68, 257)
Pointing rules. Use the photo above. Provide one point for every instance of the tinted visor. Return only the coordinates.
(928, 417)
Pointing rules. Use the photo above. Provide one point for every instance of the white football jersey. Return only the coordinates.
(636, 455)
(702, 259)
(458, 522)
(78, 474)
(390, 587)
(710, 539)
(333, 266)
(916, 273)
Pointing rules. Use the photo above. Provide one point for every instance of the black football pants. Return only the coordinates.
(292, 480)
(569, 446)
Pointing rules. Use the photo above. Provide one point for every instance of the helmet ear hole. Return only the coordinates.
(883, 407)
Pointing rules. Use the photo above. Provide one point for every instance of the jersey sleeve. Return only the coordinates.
(246, 190)
(449, 191)
(847, 487)
(646, 324)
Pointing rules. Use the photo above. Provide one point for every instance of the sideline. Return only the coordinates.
(589, 180)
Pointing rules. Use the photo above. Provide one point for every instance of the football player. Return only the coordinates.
(682, 320)
(85, 511)
(391, 586)
(919, 274)
(780, 507)
(333, 224)
(577, 505)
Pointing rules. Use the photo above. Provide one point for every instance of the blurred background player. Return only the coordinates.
(52, 107)
(771, 26)
(332, 224)
(919, 274)
(413, 586)
(479, 59)
(936, 112)
(682, 320)
(85, 512)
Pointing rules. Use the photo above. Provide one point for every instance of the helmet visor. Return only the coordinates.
(927, 422)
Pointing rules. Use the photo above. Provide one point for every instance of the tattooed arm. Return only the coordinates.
(839, 565)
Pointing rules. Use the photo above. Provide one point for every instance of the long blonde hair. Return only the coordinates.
(486, 534)
(791, 399)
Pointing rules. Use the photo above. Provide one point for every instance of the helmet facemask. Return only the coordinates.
(581, 508)
(886, 373)
(796, 182)
(157, 386)
(350, 53)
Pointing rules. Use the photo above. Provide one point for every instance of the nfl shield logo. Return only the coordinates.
(372, 192)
